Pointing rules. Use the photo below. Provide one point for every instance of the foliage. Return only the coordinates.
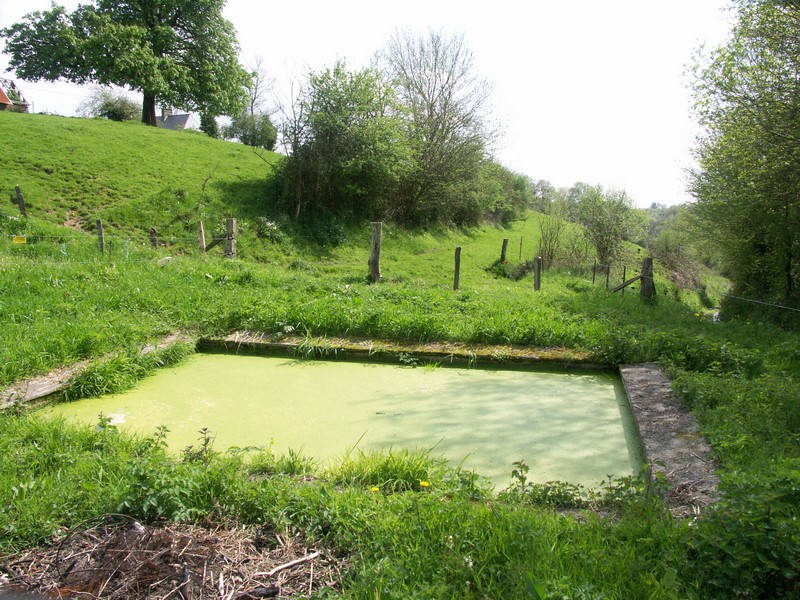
(502, 196)
(748, 421)
(747, 98)
(552, 232)
(748, 544)
(406, 141)
(446, 104)
(209, 125)
(106, 103)
(614, 494)
(609, 218)
(351, 154)
(390, 471)
(445, 538)
(111, 376)
(254, 130)
(184, 54)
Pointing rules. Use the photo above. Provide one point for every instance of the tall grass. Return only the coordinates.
(437, 537)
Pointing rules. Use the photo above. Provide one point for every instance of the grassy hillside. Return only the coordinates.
(62, 301)
(73, 171)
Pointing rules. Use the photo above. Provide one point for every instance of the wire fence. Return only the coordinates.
(511, 259)
(85, 248)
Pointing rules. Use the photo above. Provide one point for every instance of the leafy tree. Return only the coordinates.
(109, 104)
(348, 148)
(182, 52)
(544, 195)
(609, 219)
(446, 104)
(503, 195)
(209, 125)
(747, 95)
(254, 130)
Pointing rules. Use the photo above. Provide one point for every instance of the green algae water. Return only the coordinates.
(568, 426)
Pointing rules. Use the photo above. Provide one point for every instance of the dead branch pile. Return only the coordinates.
(120, 558)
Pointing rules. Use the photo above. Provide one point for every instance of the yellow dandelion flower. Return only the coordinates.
(374, 489)
(424, 484)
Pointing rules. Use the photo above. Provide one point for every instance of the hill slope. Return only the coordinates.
(74, 171)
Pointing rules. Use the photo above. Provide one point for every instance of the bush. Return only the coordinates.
(748, 544)
(108, 104)
(745, 419)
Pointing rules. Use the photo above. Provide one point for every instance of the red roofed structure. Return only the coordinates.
(11, 98)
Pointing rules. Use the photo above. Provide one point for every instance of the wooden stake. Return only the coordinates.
(21, 202)
(201, 237)
(100, 237)
(457, 268)
(537, 273)
(154, 237)
(624, 270)
(504, 250)
(647, 289)
(374, 261)
(230, 238)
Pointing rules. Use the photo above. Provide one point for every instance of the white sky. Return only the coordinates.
(586, 90)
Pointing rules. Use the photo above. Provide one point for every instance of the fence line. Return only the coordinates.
(121, 246)
(762, 302)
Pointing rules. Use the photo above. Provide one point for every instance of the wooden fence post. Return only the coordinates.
(520, 248)
(504, 250)
(230, 238)
(374, 261)
(608, 274)
(154, 237)
(21, 202)
(457, 275)
(594, 270)
(100, 237)
(201, 237)
(647, 289)
(537, 273)
(624, 272)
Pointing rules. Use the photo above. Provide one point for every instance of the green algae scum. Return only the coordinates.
(573, 426)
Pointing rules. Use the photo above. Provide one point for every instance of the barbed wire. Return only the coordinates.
(762, 302)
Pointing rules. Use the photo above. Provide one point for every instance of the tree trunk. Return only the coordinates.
(149, 109)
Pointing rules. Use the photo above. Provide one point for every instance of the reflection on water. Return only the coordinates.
(569, 426)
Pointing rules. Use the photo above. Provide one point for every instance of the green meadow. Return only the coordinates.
(407, 525)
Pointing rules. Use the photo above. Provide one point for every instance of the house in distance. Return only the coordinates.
(170, 120)
(11, 98)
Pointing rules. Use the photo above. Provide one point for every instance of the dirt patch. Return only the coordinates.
(121, 558)
(672, 444)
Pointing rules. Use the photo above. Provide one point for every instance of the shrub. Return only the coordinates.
(748, 544)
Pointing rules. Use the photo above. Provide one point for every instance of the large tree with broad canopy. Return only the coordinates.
(182, 53)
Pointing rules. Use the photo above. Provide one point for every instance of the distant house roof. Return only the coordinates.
(168, 120)
(10, 97)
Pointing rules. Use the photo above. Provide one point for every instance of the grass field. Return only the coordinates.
(62, 301)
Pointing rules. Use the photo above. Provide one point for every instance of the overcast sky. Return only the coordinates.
(586, 90)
